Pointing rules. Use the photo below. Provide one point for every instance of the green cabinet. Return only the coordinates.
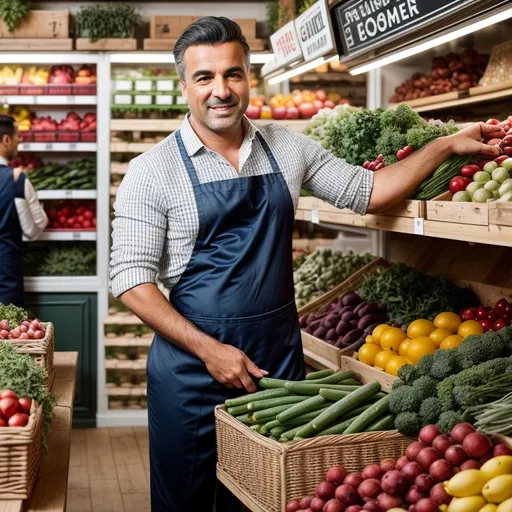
(75, 316)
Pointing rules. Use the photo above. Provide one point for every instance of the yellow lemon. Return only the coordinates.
(368, 352)
(498, 489)
(448, 320)
(377, 332)
(470, 327)
(438, 335)
(465, 483)
(371, 340)
(490, 507)
(505, 506)
(451, 342)
(402, 349)
(468, 504)
(420, 328)
(420, 347)
(391, 339)
(394, 364)
(501, 465)
(382, 358)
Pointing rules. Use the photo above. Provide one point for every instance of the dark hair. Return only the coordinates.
(208, 30)
(6, 126)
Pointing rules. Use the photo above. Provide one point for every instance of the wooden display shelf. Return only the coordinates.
(130, 147)
(119, 167)
(127, 392)
(492, 234)
(125, 365)
(255, 45)
(122, 319)
(109, 44)
(50, 490)
(443, 209)
(329, 77)
(128, 342)
(36, 45)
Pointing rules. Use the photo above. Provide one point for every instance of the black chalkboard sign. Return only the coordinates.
(363, 24)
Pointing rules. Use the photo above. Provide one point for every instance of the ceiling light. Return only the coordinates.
(301, 69)
(432, 43)
(261, 58)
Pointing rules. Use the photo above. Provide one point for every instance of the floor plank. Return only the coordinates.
(106, 496)
(126, 450)
(79, 500)
(132, 478)
(78, 477)
(136, 502)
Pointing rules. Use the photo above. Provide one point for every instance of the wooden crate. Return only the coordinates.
(163, 26)
(40, 25)
(500, 214)
(443, 209)
(248, 26)
(293, 469)
(366, 373)
(256, 45)
(430, 100)
(320, 353)
(108, 44)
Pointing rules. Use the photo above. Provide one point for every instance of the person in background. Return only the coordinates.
(20, 214)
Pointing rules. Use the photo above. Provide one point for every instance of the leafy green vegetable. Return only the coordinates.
(420, 136)
(401, 118)
(20, 373)
(42, 259)
(13, 12)
(14, 314)
(74, 175)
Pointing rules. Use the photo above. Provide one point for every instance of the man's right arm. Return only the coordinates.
(138, 237)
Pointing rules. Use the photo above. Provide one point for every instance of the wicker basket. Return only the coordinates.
(265, 474)
(20, 452)
(40, 350)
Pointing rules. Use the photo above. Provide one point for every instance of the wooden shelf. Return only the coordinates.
(128, 342)
(118, 167)
(491, 234)
(329, 78)
(128, 391)
(122, 319)
(119, 364)
(130, 147)
(50, 490)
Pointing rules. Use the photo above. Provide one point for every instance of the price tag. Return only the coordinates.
(315, 219)
(72, 146)
(68, 194)
(418, 226)
(25, 146)
(71, 99)
(77, 235)
(48, 147)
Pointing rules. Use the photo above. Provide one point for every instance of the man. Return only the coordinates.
(20, 214)
(211, 210)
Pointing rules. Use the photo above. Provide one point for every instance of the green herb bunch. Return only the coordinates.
(109, 20)
(277, 16)
(13, 12)
(14, 314)
(42, 259)
(20, 373)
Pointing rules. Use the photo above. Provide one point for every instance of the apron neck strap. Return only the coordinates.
(270, 155)
(186, 160)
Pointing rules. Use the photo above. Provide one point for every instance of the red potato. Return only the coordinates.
(371, 506)
(333, 506)
(354, 508)
(414, 449)
(387, 502)
(426, 505)
(441, 443)
(476, 445)
(439, 495)
(305, 502)
(441, 470)
(372, 471)
(413, 495)
(388, 464)
(23, 336)
(369, 488)
(9, 407)
(428, 434)
(501, 449)
(410, 471)
(325, 491)
(3, 422)
(26, 404)
(394, 483)
(402, 462)
(346, 494)
(336, 475)
(427, 457)
(470, 464)
(23, 329)
(293, 506)
(353, 479)
(317, 504)
(424, 483)
(456, 455)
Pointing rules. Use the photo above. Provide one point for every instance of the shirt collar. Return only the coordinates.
(3, 161)
(193, 144)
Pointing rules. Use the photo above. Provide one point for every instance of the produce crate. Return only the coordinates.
(88, 136)
(31, 90)
(20, 452)
(265, 474)
(27, 136)
(44, 136)
(320, 353)
(500, 214)
(10, 90)
(40, 25)
(82, 90)
(443, 209)
(367, 373)
(68, 136)
(59, 90)
(41, 351)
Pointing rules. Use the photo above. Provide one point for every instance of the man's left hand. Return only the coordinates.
(469, 140)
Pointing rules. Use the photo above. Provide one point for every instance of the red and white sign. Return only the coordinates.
(286, 45)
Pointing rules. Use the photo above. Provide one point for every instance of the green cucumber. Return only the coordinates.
(253, 397)
(272, 402)
(270, 414)
(333, 395)
(358, 397)
(336, 429)
(305, 431)
(385, 423)
(244, 419)
(256, 428)
(277, 431)
(372, 414)
(319, 375)
(303, 407)
(335, 378)
(238, 409)
(290, 434)
(305, 388)
(349, 382)
(269, 383)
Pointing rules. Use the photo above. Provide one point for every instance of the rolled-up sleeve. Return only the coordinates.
(332, 179)
(138, 230)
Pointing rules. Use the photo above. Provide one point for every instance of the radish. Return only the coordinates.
(346, 494)
(31, 333)
(8, 393)
(39, 335)
(23, 328)
(18, 419)
(4, 325)
(26, 404)
(372, 471)
(293, 506)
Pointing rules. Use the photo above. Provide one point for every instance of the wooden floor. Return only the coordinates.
(109, 470)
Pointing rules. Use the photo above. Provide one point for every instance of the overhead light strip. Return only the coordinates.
(300, 69)
(432, 43)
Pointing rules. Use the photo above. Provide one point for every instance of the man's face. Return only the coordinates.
(216, 84)
(10, 144)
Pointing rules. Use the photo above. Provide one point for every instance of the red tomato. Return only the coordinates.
(486, 324)
(62, 219)
(20, 419)
(77, 225)
(7, 393)
(86, 224)
(88, 215)
(500, 324)
(500, 307)
(469, 170)
(458, 184)
(80, 219)
(25, 403)
(482, 313)
(3, 422)
(468, 314)
(492, 316)
(9, 406)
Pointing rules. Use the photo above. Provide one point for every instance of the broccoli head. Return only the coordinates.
(408, 373)
(402, 118)
(444, 364)
(390, 141)
(397, 384)
(425, 364)
(463, 396)
(496, 345)
(447, 420)
(471, 352)
(420, 136)
(408, 423)
(404, 399)
(430, 410)
(426, 386)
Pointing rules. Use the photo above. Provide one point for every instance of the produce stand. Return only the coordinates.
(50, 489)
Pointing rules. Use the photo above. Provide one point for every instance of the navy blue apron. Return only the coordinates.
(238, 288)
(11, 269)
